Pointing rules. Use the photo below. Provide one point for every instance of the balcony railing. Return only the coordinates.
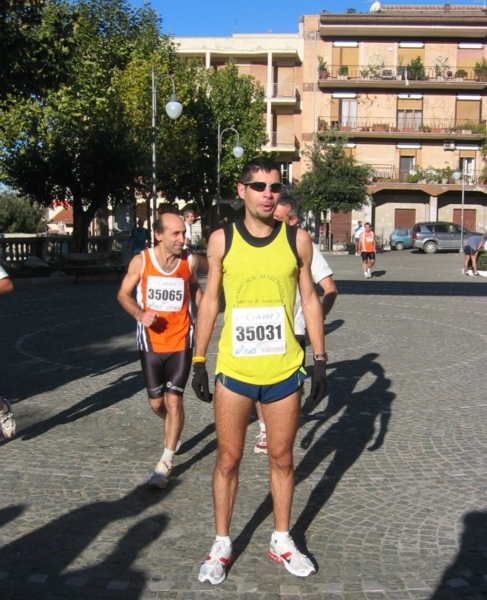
(285, 91)
(429, 73)
(281, 139)
(402, 125)
(431, 175)
(50, 247)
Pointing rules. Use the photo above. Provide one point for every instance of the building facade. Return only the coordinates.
(404, 84)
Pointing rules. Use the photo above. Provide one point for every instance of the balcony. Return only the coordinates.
(286, 94)
(282, 142)
(432, 129)
(387, 78)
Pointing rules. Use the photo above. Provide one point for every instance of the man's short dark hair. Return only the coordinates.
(260, 163)
(158, 225)
(287, 199)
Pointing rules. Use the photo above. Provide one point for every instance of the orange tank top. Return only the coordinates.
(368, 241)
(168, 295)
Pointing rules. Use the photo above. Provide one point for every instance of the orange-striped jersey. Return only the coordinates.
(168, 295)
(367, 242)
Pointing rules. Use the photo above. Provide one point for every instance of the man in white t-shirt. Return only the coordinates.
(356, 233)
(7, 419)
(287, 210)
(188, 216)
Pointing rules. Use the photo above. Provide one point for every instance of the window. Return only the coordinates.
(409, 114)
(286, 173)
(440, 228)
(348, 113)
(454, 229)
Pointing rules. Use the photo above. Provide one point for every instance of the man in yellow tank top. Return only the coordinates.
(259, 262)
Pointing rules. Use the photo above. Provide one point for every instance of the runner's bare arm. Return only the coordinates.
(194, 284)
(125, 297)
(312, 310)
(210, 301)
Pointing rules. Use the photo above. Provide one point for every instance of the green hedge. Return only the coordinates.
(482, 261)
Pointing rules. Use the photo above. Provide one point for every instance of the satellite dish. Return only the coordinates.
(375, 7)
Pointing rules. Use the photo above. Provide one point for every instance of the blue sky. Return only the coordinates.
(225, 17)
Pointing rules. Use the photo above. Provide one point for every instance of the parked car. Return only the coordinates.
(438, 235)
(400, 238)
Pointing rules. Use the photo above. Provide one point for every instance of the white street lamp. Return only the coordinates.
(456, 176)
(173, 110)
(237, 152)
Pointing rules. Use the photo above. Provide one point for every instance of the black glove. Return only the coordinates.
(200, 384)
(319, 384)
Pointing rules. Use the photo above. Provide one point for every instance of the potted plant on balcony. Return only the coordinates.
(416, 69)
(400, 68)
(343, 72)
(480, 70)
(322, 70)
(379, 126)
(441, 67)
(460, 74)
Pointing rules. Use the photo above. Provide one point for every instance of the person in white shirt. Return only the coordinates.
(357, 231)
(287, 210)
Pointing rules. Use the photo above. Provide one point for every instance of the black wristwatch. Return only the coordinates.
(323, 357)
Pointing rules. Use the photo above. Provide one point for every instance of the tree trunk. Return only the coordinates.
(80, 226)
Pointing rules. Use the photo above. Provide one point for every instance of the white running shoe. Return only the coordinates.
(214, 569)
(261, 445)
(160, 477)
(295, 562)
(7, 421)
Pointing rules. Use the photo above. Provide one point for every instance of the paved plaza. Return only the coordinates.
(391, 468)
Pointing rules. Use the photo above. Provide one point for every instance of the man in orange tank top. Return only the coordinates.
(367, 249)
(166, 282)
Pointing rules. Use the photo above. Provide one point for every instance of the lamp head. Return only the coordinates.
(456, 175)
(238, 150)
(174, 108)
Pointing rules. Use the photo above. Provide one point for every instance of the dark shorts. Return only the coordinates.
(469, 251)
(166, 372)
(264, 393)
(368, 255)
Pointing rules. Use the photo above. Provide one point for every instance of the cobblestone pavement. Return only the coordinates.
(391, 490)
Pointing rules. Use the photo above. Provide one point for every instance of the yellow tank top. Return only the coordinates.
(257, 344)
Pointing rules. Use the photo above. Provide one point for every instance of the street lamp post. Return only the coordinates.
(456, 176)
(173, 110)
(237, 152)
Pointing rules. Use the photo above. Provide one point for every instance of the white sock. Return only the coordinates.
(280, 536)
(368, 271)
(225, 539)
(167, 455)
(262, 427)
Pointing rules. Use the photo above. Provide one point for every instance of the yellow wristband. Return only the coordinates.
(199, 359)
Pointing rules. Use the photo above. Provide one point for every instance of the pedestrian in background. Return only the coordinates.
(7, 419)
(140, 237)
(356, 232)
(472, 247)
(367, 249)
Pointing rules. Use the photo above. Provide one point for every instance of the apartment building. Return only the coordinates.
(404, 84)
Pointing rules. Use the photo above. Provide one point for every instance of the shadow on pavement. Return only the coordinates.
(126, 386)
(344, 441)
(466, 576)
(51, 549)
(359, 287)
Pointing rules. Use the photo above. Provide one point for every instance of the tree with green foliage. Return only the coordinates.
(335, 180)
(17, 215)
(35, 38)
(77, 144)
(187, 148)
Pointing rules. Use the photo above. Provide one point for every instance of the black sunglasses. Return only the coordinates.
(260, 186)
